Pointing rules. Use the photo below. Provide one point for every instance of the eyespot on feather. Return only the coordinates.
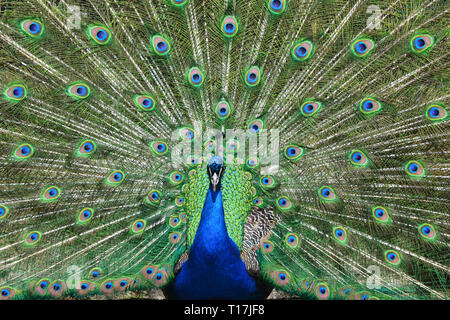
(415, 169)
(255, 126)
(15, 92)
(99, 34)
(276, 7)
(144, 102)
(7, 293)
(302, 50)
(195, 77)
(23, 152)
(369, 106)
(32, 27)
(362, 47)
(50, 194)
(79, 91)
(340, 235)
(57, 288)
(421, 43)
(253, 76)
(115, 178)
(326, 193)
(436, 113)
(310, 108)
(3, 211)
(138, 226)
(229, 26)
(85, 215)
(160, 45)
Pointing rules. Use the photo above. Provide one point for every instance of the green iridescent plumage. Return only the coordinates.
(104, 144)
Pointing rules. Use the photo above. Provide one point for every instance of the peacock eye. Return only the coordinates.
(340, 235)
(85, 215)
(153, 197)
(115, 178)
(381, 215)
(358, 158)
(362, 47)
(223, 110)
(101, 35)
(322, 291)
(179, 3)
(392, 257)
(255, 126)
(144, 102)
(302, 50)
(427, 231)
(32, 28)
(174, 222)
(32, 238)
(421, 43)
(327, 193)
(79, 91)
(267, 246)
(95, 273)
(176, 177)
(186, 134)
(267, 182)
(415, 169)
(138, 226)
(293, 152)
(436, 113)
(23, 152)
(15, 92)
(174, 237)
(161, 45)
(369, 106)
(276, 6)
(86, 148)
(292, 240)
(179, 201)
(50, 194)
(3, 211)
(158, 148)
(310, 108)
(252, 163)
(281, 277)
(284, 203)
(253, 76)
(229, 26)
(195, 77)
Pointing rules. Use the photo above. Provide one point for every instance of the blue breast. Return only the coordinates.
(214, 269)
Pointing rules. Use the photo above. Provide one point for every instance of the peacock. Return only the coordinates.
(224, 149)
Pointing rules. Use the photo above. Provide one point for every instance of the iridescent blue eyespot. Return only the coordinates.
(362, 47)
(421, 43)
(33, 28)
(276, 6)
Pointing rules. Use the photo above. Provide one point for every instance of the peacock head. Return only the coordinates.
(215, 170)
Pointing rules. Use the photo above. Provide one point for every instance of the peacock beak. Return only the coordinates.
(215, 180)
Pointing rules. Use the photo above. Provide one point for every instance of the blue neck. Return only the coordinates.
(214, 269)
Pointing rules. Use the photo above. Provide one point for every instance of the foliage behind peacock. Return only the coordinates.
(100, 98)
